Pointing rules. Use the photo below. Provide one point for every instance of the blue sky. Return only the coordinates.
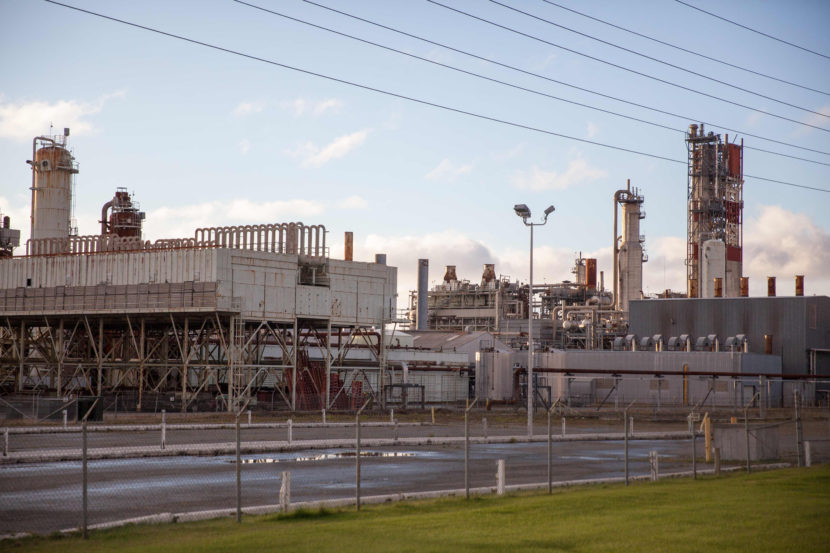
(207, 138)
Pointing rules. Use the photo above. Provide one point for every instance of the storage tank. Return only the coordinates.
(53, 168)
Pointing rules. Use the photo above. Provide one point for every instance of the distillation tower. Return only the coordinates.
(715, 214)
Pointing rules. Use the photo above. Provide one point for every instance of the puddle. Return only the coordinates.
(324, 457)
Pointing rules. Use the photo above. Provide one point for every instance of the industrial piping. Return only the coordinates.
(617, 196)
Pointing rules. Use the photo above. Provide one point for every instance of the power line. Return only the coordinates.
(494, 80)
(686, 50)
(395, 94)
(618, 66)
(563, 83)
(658, 60)
(753, 30)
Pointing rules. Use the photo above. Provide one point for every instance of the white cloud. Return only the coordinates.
(244, 146)
(313, 156)
(248, 108)
(448, 171)
(303, 106)
(592, 130)
(816, 120)
(25, 120)
(537, 179)
(354, 202)
(182, 221)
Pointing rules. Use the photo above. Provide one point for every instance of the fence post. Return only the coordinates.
(433, 415)
(625, 438)
(163, 428)
(249, 417)
(717, 461)
(85, 502)
(631, 429)
(357, 453)
(324, 416)
(238, 474)
(65, 417)
(396, 430)
(808, 456)
(391, 415)
(746, 432)
(467, 449)
(694, 451)
(290, 430)
(5, 442)
(484, 424)
(550, 439)
(500, 477)
(285, 491)
(798, 434)
(563, 426)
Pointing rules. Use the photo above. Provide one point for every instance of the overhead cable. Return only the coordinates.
(686, 50)
(753, 30)
(658, 60)
(397, 95)
(563, 83)
(623, 68)
(494, 80)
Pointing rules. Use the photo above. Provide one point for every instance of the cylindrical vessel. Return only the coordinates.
(349, 248)
(771, 287)
(744, 287)
(380, 258)
(768, 344)
(799, 285)
(718, 287)
(53, 167)
(591, 273)
(423, 283)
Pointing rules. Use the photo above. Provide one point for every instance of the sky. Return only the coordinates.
(203, 137)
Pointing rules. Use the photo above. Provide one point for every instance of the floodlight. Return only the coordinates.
(522, 210)
(549, 210)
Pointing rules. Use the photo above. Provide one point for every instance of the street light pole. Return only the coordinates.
(524, 212)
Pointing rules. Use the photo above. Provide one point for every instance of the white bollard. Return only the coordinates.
(249, 417)
(484, 424)
(500, 477)
(163, 428)
(563, 426)
(65, 417)
(290, 430)
(808, 457)
(654, 465)
(324, 416)
(285, 491)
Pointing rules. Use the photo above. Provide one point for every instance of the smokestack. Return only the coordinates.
(771, 287)
(423, 294)
(380, 258)
(489, 274)
(449, 274)
(744, 287)
(718, 287)
(692, 131)
(348, 254)
(799, 285)
(591, 273)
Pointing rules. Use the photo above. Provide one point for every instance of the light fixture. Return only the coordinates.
(522, 210)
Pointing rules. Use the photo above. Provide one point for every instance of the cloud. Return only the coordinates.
(303, 106)
(447, 171)
(816, 120)
(353, 202)
(592, 130)
(537, 179)
(182, 221)
(248, 108)
(25, 120)
(314, 156)
(244, 146)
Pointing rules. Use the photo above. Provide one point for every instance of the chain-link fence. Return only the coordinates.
(57, 476)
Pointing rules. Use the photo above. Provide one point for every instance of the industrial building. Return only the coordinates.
(213, 320)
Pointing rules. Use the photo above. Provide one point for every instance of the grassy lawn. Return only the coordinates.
(786, 510)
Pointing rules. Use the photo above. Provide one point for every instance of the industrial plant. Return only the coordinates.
(265, 316)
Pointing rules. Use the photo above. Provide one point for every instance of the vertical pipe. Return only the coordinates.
(799, 285)
(140, 365)
(798, 429)
(768, 344)
(423, 294)
(744, 285)
(100, 356)
(238, 474)
(718, 287)
(59, 389)
(625, 435)
(85, 482)
(348, 254)
(550, 439)
(771, 287)
(694, 451)
(467, 453)
(163, 428)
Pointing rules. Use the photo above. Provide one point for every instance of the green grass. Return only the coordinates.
(786, 510)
